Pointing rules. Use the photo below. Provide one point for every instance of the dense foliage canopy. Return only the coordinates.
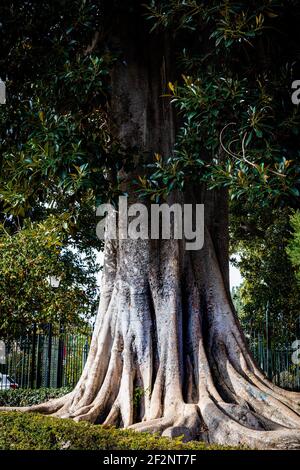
(238, 128)
(236, 62)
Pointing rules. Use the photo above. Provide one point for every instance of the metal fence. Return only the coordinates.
(45, 359)
(276, 362)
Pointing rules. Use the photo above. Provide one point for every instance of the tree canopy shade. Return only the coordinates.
(98, 120)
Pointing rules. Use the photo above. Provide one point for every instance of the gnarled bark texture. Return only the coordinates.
(167, 353)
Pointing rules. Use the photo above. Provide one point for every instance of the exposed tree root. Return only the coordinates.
(168, 356)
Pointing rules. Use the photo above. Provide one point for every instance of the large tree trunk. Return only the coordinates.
(167, 353)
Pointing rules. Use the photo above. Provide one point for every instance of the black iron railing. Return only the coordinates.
(280, 364)
(46, 359)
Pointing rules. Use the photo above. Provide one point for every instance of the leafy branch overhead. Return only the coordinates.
(55, 134)
(239, 127)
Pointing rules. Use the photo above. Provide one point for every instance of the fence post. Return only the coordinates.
(85, 352)
(33, 357)
(60, 357)
(39, 361)
(49, 355)
(268, 344)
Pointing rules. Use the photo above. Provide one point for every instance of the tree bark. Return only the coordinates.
(167, 353)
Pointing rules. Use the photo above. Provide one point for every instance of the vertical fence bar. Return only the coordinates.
(48, 382)
(22, 356)
(60, 357)
(38, 376)
(33, 356)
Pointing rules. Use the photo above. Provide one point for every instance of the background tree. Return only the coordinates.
(166, 324)
(54, 143)
(28, 259)
(269, 287)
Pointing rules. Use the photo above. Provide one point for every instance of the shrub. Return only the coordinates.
(28, 397)
(29, 431)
